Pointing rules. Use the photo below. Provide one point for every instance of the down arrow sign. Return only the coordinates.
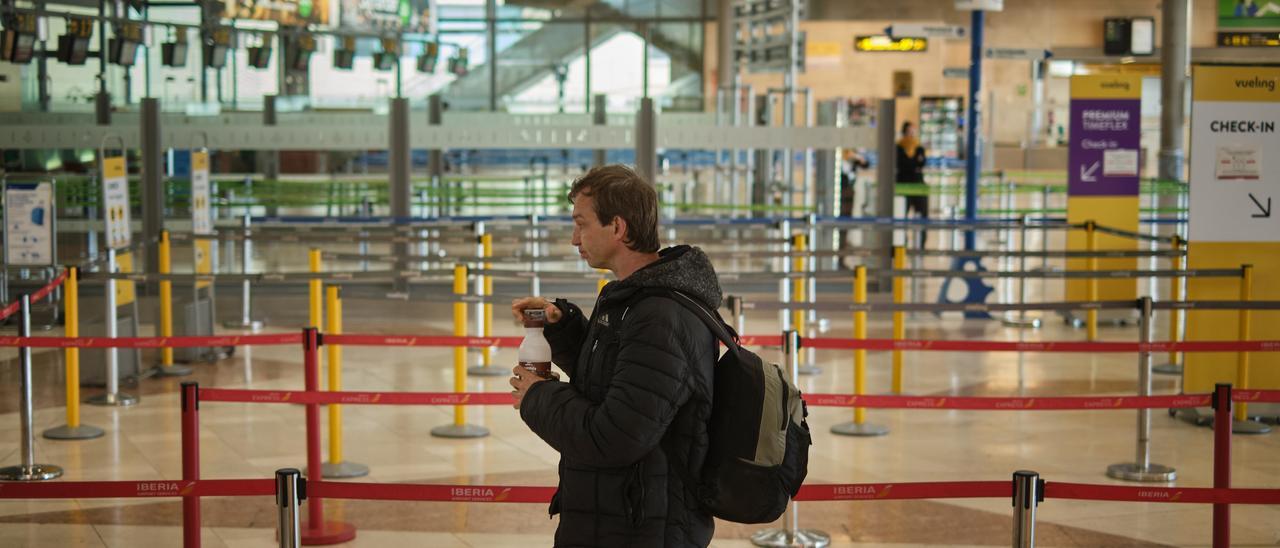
(1266, 210)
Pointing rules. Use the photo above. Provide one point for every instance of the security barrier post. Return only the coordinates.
(799, 322)
(735, 310)
(459, 428)
(112, 397)
(190, 462)
(1028, 493)
(317, 530)
(899, 321)
(1222, 462)
(1091, 315)
(73, 430)
(167, 368)
(1242, 424)
(28, 470)
(790, 535)
(484, 286)
(290, 492)
(784, 284)
(337, 467)
(1022, 320)
(859, 427)
(315, 290)
(1174, 367)
(1142, 469)
(246, 295)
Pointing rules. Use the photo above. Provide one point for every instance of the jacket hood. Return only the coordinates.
(683, 268)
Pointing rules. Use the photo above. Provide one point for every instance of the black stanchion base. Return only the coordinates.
(82, 432)
(172, 370)
(455, 431)
(344, 469)
(1167, 369)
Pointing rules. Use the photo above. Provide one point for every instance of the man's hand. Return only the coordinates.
(518, 307)
(523, 379)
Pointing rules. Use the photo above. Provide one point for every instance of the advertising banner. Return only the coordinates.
(1106, 129)
(28, 224)
(1248, 14)
(393, 15)
(285, 12)
(115, 203)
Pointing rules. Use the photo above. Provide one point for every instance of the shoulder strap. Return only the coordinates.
(710, 318)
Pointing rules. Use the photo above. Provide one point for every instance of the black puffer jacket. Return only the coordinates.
(631, 423)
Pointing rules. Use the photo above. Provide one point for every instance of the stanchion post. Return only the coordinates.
(1242, 424)
(337, 467)
(790, 535)
(315, 316)
(112, 397)
(484, 319)
(1222, 462)
(317, 530)
(1142, 469)
(190, 463)
(246, 295)
(1028, 493)
(73, 430)
(859, 427)
(899, 320)
(1174, 366)
(290, 492)
(167, 368)
(1091, 244)
(739, 316)
(800, 317)
(459, 428)
(28, 470)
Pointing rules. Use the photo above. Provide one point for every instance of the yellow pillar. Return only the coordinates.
(799, 287)
(1091, 315)
(459, 352)
(1242, 358)
(315, 318)
(71, 311)
(859, 333)
(1175, 295)
(166, 299)
(899, 324)
(334, 304)
(486, 242)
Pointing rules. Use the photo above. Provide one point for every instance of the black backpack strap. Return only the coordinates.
(710, 318)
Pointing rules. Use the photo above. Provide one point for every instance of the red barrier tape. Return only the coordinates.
(378, 398)
(151, 342)
(905, 491)
(438, 493)
(1249, 396)
(1007, 404)
(415, 340)
(12, 308)
(1050, 346)
(1200, 495)
(137, 489)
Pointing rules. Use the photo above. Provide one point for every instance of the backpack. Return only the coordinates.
(758, 454)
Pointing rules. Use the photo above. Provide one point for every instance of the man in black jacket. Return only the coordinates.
(631, 423)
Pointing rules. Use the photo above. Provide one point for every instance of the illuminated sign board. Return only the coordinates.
(882, 43)
(417, 16)
(1249, 39)
(285, 12)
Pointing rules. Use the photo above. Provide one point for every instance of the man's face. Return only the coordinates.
(597, 244)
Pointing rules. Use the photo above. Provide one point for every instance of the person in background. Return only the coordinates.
(850, 162)
(910, 171)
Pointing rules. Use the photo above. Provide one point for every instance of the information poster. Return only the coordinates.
(28, 224)
(286, 12)
(115, 203)
(1103, 175)
(201, 216)
(1235, 186)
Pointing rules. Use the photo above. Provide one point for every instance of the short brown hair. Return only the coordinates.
(619, 191)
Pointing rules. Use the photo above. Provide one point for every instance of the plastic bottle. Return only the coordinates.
(534, 353)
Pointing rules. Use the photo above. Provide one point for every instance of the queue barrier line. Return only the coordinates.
(37, 296)
(152, 342)
(138, 489)
(1046, 346)
(1048, 403)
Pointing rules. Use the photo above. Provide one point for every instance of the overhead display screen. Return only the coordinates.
(285, 12)
(395, 15)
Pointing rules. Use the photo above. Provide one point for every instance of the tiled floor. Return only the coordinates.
(252, 441)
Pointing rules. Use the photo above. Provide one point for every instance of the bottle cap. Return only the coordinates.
(535, 317)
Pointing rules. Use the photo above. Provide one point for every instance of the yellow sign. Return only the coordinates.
(125, 291)
(821, 49)
(199, 160)
(882, 43)
(1236, 84)
(204, 260)
(113, 167)
(1106, 86)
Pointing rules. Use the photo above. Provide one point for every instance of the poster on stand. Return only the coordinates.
(28, 224)
(115, 203)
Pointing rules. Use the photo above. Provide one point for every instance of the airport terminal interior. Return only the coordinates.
(1019, 256)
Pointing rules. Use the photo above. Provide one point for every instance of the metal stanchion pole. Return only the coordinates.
(784, 285)
(459, 427)
(337, 467)
(28, 470)
(859, 426)
(1174, 366)
(73, 430)
(484, 311)
(812, 291)
(1142, 469)
(1222, 463)
(246, 297)
(790, 535)
(1028, 493)
(290, 492)
(535, 283)
(1242, 423)
(739, 317)
(1022, 320)
(112, 397)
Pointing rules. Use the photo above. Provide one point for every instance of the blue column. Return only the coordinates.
(973, 152)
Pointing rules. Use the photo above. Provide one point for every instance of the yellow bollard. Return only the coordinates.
(1175, 290)
(459, 352)
(334, 305)
(71, 311)
(799, 286)
(860, 333)
(315, 317)
(486, 242)
(1242, 358)
(899, 325)
(166, 299)
(1091, 315)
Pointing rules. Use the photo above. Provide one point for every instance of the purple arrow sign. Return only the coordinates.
(1104, 155)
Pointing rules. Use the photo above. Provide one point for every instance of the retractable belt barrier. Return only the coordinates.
(39, 295)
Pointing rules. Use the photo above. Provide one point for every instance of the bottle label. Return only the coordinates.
(541, 369)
